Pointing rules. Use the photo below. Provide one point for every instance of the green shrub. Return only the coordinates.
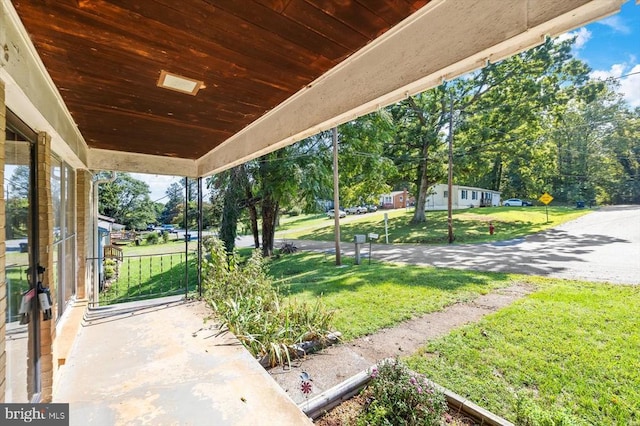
(245, 299)
(109, 269)
(152, 238)
(165, 236)
(401, 397)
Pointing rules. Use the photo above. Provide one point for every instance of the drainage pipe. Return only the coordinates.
(96, 250)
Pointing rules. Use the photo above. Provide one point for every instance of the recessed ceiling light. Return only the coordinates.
(179, 83)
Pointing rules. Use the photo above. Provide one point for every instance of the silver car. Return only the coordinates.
(331, 213)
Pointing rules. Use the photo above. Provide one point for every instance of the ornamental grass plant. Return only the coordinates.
(245, 299)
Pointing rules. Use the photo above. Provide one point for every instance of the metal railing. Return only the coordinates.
(147, 276)
(17, 282)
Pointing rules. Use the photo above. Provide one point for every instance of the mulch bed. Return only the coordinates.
(346, 414)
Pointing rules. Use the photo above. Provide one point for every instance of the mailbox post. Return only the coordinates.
(372, 237)
(358, 239)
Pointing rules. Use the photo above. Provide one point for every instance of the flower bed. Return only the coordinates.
(393, 394)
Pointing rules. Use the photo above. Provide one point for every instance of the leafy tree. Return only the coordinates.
(17, 203)
(295, 175)
(364, 170)
(191, 192)
(174, 204)
(502, 137)
(499, 112)
(19, 183)
(598, 156)
(419, 123)
(127, 201)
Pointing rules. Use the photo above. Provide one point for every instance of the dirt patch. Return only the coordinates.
(337, 363)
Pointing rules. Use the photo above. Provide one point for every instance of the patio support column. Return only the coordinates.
(200, 216)
(336, 197)
(3, 284)
(84, 231)
(186, 240)
(45, 255)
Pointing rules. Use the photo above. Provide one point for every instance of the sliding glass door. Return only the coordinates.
(22, 319)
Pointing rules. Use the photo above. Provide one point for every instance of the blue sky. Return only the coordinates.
(611, 47)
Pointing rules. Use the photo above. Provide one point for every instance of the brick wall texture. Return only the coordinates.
(45, 229)
(84, 232)
(3, 290)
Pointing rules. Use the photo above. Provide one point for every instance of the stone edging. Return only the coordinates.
(320, 404)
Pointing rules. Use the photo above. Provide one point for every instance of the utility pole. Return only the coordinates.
(336, 197)
(449, 202)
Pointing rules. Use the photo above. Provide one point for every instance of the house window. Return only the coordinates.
(64, 232)
(474, 195)
(464, 194)
(400, 198)
(446, 194)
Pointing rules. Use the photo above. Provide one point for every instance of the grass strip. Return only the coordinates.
(570, 350)
(367, 298)
(470, 225)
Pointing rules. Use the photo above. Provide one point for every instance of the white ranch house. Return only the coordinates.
(463, 197)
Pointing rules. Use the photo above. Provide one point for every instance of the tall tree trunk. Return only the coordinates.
(231, 209)
(269, 211)
(253, 218)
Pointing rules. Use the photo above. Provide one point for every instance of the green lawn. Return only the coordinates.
(150, 271)
(568, 351)
(570, 348)
(470, 225)
(369, 297)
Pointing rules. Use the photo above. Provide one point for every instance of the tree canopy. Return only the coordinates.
(127, 201)
(531, 123)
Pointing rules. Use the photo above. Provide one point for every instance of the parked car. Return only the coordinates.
(356, 210)
(331, 213)
(516, 202)
(168, 228)
(372, 208)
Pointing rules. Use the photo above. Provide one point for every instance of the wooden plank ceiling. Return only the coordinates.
(105, 57)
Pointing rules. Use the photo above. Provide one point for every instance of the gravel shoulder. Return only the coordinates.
(335, 364)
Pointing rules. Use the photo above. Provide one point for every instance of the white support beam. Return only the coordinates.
(443, 40)
(119, 161)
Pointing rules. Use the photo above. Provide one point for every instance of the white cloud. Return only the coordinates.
(629, 81)
(582, 35)
(615, 23)
(158, 184)
(630, 87)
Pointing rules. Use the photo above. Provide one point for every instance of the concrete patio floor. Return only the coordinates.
(157, 363)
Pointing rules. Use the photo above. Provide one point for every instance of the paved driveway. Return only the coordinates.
(601, 246)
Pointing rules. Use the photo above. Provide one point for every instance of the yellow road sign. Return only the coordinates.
(546, 198)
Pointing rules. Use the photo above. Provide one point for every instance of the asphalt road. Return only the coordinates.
(601, 246)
